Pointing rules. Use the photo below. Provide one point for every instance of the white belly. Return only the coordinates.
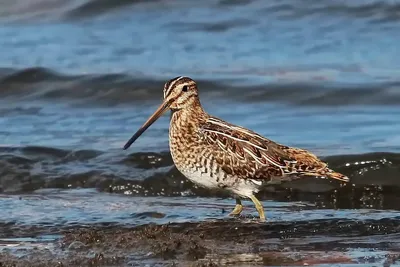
(239, 187)
(201, 179)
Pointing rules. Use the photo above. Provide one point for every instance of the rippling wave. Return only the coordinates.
(376, 10)
(56, 9)
(79, 76)
(41, 83)
(25, 169)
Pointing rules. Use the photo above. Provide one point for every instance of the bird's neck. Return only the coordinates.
(185, 122)
(184, 133)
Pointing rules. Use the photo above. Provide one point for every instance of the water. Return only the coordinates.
(78, 77)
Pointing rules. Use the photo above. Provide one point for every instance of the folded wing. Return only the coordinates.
(248, 149)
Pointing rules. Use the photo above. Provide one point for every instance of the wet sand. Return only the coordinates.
(235, 241)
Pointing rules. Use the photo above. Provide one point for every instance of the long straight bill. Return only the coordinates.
(161, 109)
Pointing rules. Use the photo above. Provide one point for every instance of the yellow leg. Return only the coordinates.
(259, 208)
(238, 208)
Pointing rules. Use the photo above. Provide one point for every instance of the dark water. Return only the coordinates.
(78, 77)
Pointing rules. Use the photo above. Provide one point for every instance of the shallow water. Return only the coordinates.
(306, 228)
(78, 77)
(87, 206)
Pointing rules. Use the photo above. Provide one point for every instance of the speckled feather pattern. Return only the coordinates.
(215, 153)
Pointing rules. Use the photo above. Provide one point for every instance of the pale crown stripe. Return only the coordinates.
(171, 86)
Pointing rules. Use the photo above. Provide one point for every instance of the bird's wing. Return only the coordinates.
(249, 146)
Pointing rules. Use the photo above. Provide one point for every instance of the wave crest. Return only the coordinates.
(26, 169)
(113, 89)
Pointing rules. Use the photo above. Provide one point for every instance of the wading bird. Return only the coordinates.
(213, 153)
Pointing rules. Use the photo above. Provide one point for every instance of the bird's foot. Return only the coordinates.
(237, 210)
(259, 208)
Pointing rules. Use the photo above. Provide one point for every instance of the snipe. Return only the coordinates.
(213, 153)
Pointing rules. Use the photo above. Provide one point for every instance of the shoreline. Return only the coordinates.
(237, 241)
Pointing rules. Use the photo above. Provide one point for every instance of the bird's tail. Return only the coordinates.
(330, 174)
(338, 176)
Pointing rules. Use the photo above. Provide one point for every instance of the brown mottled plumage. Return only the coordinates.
(216, 154)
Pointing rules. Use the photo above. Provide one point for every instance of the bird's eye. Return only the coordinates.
(185, 88)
